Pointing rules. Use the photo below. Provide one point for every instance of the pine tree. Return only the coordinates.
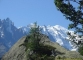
(33, 45)
(73, 14)
(81, 49)
(33, 40)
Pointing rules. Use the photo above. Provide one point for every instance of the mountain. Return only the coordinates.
(58, 34)
(18, 52)
(10, 34)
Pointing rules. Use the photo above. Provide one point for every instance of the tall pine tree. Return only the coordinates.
(38, 50)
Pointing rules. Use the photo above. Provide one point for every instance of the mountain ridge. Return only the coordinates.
(57, 34)
(18, 52)
(10, 34)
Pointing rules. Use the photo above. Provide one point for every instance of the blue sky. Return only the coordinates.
(24, 12)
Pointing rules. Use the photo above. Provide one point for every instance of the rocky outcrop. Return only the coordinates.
(17, 52)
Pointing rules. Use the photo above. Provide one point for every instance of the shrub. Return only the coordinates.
(80, 50)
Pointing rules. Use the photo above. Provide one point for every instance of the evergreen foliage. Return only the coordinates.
(35, 50)
(81, 49)
(73, 14)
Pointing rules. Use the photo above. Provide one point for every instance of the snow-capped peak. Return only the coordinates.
(9, 34)
(58, 27)
(57, 34)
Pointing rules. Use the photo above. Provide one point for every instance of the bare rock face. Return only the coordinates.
(9, 35)
(16, 52)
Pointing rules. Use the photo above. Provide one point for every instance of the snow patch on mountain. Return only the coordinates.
(2, 34)
(56, 34)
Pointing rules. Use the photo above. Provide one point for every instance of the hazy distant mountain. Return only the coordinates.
(9, 34)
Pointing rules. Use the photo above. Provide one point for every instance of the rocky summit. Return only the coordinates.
(9, 35)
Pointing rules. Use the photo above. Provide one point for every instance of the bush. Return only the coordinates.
(80, 50)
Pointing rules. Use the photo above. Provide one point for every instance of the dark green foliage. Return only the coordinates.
(42, 53)
(40, 57)
(45, 50)
(71, 37)
(81, 49)
(36, 50)
(59, 57)
(72, 13)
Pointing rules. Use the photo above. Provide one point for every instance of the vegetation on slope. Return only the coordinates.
(34, 48)
(81, 49)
